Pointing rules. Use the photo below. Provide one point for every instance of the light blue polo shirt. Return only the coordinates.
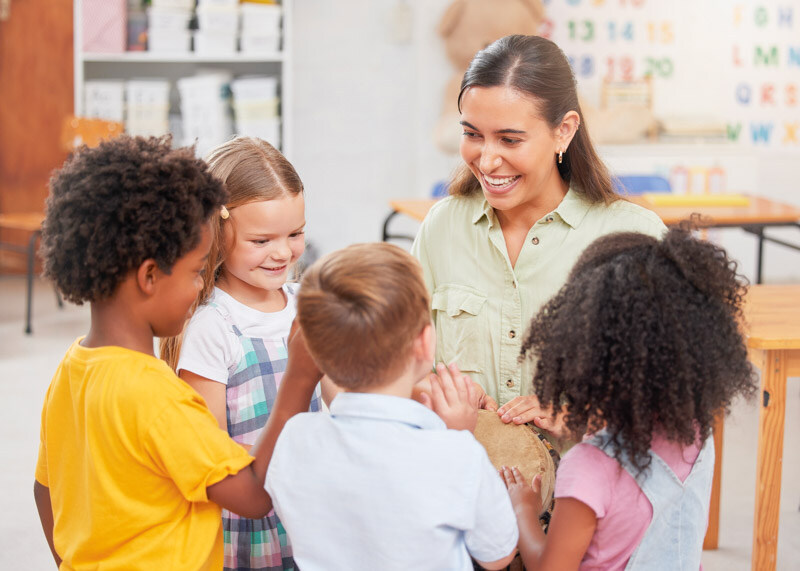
(381, 483)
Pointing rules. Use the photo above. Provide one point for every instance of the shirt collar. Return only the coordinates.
(572, 209)
(385, 407)
(481, 208)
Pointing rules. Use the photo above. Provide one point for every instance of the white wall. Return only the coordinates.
(365, 108)
(361, 101)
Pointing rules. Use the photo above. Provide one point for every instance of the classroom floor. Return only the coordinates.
(27, 364)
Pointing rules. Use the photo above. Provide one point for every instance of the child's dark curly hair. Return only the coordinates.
(114, 206)
(643, 338)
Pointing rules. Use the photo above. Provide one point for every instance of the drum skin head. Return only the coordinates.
(517, 445)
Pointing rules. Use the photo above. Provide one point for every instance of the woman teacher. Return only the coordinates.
(531, 195)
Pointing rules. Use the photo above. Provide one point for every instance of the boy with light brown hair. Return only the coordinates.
(381, 482)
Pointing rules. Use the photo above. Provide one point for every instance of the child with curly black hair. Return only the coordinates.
(638, 351)
(131, 462)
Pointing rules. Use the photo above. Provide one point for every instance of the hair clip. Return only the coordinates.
(223, 213)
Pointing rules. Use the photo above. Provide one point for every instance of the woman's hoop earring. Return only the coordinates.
(560, 156)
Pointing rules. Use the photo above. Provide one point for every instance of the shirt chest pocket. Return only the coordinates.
(461, 329)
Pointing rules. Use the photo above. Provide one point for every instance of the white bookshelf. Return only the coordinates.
(129, 65)
(180, 58)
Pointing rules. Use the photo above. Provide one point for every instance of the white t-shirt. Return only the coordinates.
(210, 347)
(380, 483)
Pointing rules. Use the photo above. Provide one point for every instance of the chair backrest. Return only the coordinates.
(639, 184)
(439, 189)
(77, 131)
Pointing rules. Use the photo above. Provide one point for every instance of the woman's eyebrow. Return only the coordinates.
(498, 132)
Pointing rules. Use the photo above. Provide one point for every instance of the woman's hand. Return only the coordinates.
(555, 426)
(453, 397)
(523, 497)
(522, 409)
(485, 402)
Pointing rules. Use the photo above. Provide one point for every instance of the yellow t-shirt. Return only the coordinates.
(127, 450)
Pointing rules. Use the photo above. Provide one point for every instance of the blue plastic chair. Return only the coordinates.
(634, 184)
(439, 189)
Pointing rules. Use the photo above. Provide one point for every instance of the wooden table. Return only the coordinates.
(773, 317)
(754, 218)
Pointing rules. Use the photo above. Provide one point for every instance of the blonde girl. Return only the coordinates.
(233, 351)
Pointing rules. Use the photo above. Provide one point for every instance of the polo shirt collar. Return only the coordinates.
(385, 407)
(572, 209)
(481, 208)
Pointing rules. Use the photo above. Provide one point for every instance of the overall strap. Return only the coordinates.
(674, 538)
(226, 316)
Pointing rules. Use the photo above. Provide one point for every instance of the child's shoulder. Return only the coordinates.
(216, 317)
(122, 374)
(626, 216)
(218, 306)
(153, 378)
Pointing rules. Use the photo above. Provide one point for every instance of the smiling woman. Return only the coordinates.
(531, 195)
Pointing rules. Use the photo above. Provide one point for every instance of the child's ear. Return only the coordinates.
(146, 276)
(425, 344)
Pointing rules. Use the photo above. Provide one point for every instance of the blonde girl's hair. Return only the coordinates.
(252, 170)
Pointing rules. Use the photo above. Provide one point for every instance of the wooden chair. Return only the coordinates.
(76, 131)
(26, 222)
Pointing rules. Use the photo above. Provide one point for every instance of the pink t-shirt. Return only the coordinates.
(623, 512)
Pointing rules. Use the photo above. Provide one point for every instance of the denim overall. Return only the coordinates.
(674, 538)
(255, 544)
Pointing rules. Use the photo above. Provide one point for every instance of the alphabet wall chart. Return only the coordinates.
(732, 64)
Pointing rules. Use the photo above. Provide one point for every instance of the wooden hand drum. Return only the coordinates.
(521, 446)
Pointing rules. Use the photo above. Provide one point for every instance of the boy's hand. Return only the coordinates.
(523, 496)
(483, 401)
(301, 368)
(453, 397)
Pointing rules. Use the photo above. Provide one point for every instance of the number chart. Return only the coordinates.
(734, 63)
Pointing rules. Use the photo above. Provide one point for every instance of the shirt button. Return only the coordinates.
(534, 240)
(549, 219)
(512, 333)
(509, 383)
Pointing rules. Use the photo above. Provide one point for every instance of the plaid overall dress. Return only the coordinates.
(255, 544)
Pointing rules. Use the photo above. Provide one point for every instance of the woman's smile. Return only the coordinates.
(499, 185)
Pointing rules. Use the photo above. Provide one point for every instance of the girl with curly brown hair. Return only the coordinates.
(638, 352)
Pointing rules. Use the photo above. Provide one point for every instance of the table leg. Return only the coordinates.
(760, 257)
(770, 459)
(29, 299)
(711, 540)
(385, 234)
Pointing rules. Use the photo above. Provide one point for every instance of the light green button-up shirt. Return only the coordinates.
(481, 305)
